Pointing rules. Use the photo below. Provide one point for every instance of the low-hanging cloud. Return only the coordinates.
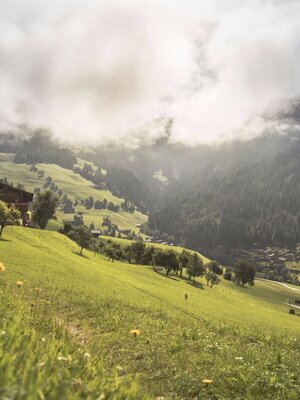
(116, 69)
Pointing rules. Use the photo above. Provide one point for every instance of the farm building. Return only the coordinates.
(125, 231)
(96, 232)
(19, 198)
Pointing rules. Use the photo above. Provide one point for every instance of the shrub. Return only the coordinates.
(292, 311)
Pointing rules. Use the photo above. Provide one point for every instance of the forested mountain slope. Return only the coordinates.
(250, 194)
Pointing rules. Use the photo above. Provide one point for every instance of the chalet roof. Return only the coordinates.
(68, 221)
(10, 187)
(124, 230)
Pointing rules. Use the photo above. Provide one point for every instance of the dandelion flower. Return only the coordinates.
(207, 381)
(135, 332)
(19, 283)
(86, 355)
(2, 267)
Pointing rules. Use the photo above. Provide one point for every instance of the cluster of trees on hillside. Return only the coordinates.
(167, 259)
(90, 203)
(121, 182)
(40, 147)
(138, 253)
(91, 173)
(40, 173)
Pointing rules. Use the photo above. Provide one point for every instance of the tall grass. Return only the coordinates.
(40, 359)
(67, 330)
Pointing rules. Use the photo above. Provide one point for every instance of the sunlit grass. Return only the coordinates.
(242, 339)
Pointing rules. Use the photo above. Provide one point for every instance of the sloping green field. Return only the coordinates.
(243, 339)
(75, 186)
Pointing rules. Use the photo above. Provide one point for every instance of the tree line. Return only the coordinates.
(166, 260)
(138, 253)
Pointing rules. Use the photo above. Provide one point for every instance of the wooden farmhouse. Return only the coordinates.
(17, 197)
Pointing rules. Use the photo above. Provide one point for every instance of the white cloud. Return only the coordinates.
(100, 69)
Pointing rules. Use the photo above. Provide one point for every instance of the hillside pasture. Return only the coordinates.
(242, 339)
(76, 187)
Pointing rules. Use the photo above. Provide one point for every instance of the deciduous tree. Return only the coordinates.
(244, 272)
(82, 236)
(195, 266)
(44, 207)
(9, 215)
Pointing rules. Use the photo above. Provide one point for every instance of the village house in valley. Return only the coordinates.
(19, 198)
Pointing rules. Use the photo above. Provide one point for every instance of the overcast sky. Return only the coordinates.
(110, 69)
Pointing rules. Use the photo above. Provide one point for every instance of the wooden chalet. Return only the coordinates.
(17, 197)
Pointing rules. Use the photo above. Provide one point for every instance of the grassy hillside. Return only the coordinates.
(243, 339)
(76, 187)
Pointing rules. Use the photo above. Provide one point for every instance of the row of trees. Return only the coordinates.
(138, 253)
(91, 173)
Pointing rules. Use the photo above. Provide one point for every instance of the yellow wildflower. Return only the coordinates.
(2, 267)
(135, 332)
(19, 283)
(207, 381)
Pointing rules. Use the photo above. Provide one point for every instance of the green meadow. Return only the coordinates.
(65, 331)
(75, 186)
